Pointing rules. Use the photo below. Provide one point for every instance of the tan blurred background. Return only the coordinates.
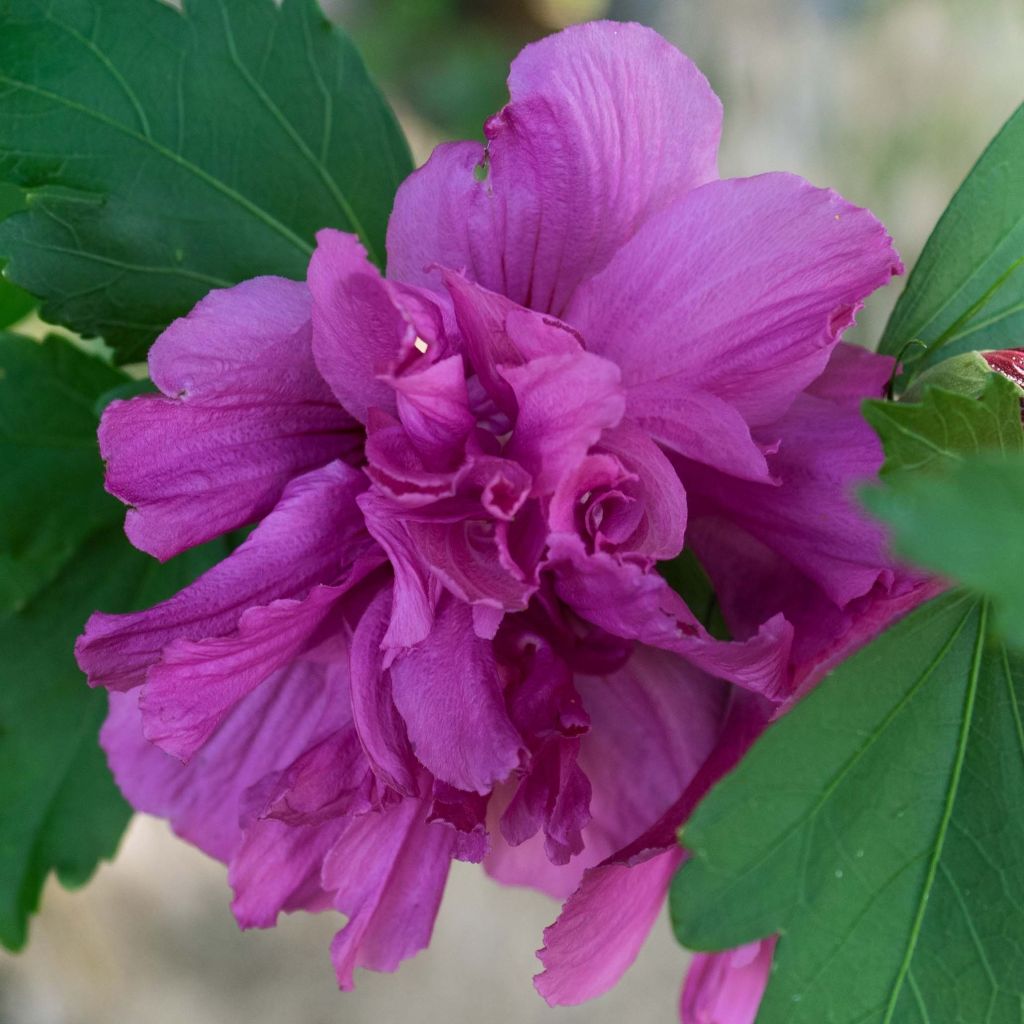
(889, 103)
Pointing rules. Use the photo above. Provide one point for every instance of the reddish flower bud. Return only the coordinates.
(1009, 362)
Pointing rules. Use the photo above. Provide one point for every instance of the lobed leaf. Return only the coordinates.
(167, 152)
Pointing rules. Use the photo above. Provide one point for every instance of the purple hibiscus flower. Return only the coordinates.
(447, 637)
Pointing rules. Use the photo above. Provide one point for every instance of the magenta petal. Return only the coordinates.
(496, 333)
(243, 410)
(853, 374)
(741, 289)
(811, 517)
(448, 691)
(263, 733)
(433, 406)
(698, 425)
(602, 927)
(726, 988)
(362, 324)
(309, 538)
(416, 591)
(664, 524)
(628, 602)
(193, 687)
(380, 727)
(653, 725)
(277, 868)
(570, 172)
(564, 404)
(387, 873)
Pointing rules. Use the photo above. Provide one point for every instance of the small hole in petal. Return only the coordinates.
(421, 346)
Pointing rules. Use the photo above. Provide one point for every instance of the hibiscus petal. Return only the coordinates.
(415, 592)
(602, 927)
(496, 333)
(698, 425)
(570, 171)
(741, 289)
(853, 374)
(202, 800)
(629, 602)
(433, 405)
(278, 867)
(380, 727)
(448, 691)
(564, 404)
(387, 873)
(664, 522)
(314, 532)
(811, 518)
(362, 324)
(193, 687)
(726, 988)
(243, 411)
(605, 922)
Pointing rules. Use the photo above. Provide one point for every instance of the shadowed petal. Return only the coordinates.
(448, 691)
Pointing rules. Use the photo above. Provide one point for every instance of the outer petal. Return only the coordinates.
(277, 868)
(387, 873)
(571, 170)
(197, 683)
(448, 691)
(605, 922)
(810, 517)
(311, 536)
(243, 411)
(741, 289)
(602, 927)
(653, 724)
(726, 988)
(628, 602)
(853, 374)
(202, 800)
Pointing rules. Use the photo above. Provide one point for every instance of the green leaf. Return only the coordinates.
(14, 303)
(967, 289)
(62, 555)
(877, 828)
(966, 525)
(51, 495)
(168, 153)
(59, 807)
(953, 490)
(935, 434)
(688, 578)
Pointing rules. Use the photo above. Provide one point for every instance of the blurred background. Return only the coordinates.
(887, 102)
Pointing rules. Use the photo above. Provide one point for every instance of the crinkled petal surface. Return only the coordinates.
(448, 692)
(312, 535)
(387, 874)
(243, 410)
(202, 800)
(607, 124)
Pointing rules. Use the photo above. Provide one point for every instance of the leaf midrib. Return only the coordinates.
(947, 814)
